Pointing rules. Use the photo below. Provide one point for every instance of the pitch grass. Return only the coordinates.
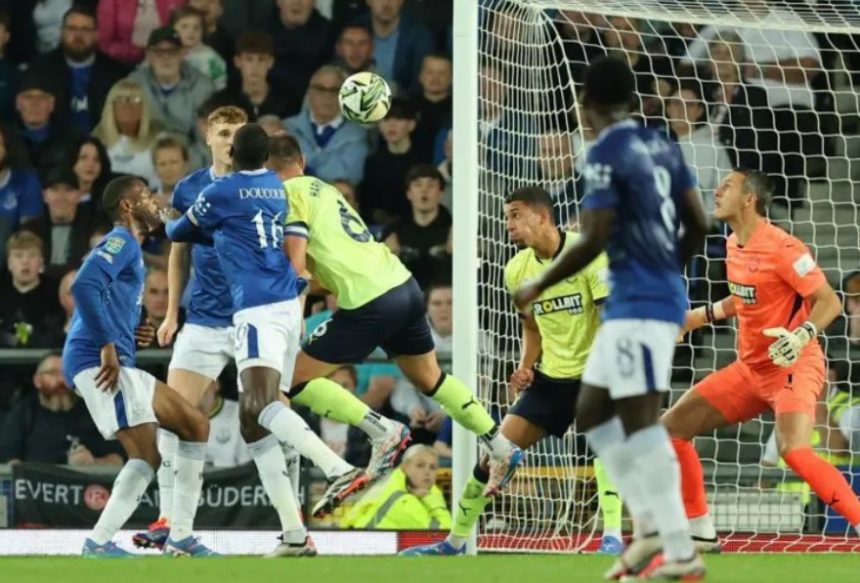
(784, 568)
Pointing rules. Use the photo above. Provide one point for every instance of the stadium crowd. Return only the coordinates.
(92, 89)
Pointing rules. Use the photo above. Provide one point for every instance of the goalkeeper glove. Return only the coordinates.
(786, 349)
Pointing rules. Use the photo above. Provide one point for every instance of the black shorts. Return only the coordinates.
(396, 321)
(548, 403)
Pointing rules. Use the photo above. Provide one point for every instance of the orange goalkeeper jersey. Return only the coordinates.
(770, 279)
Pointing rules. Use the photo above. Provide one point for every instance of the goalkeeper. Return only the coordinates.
(557, 335)
(781, 300)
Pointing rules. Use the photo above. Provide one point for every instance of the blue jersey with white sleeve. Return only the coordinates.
(108, 292)
(244, 212)
(211, 304)
(641, 174)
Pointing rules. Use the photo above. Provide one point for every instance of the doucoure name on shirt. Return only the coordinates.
(745, 292)
(571, 303)
(261, 193)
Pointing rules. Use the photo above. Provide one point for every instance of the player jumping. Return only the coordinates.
(639, 194)
(125, 402)
(777, 291)
(557, 332)
(205, 345)
(242, 213)
(379, 304)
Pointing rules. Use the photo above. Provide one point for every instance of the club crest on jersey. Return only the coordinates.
(745, 292)
(571, 303)
(114, 244)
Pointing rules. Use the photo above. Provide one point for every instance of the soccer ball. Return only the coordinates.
(364, 98)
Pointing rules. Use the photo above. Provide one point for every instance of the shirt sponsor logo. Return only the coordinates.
(266, 193)
(571, 303)
(804, 264)
(745, 292)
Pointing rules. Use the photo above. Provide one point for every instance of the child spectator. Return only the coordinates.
(385, 171)
(128, 130)
(51, 425)
(214, 35)
(125, 25)
(155, 296)
(20, 191)
(89, 160)
(420, 239)
(170, 159)
(28, 300)
(8, 70)
(188, 23)
(252, 90)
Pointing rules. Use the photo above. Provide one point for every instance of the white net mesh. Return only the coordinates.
(755, 84)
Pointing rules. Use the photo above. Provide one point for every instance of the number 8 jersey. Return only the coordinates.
(640, 174)
(346, 259)
(244, 212)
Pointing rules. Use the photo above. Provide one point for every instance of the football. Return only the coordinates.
(364, 98)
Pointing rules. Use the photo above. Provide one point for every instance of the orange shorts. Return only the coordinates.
(741, 393)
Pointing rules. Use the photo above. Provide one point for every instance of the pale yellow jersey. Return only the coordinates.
(567, 314)
(345, 258)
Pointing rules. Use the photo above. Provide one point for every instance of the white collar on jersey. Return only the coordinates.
(256, 172)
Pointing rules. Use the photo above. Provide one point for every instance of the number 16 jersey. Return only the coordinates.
(345, 257)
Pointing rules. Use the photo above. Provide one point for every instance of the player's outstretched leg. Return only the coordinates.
(461, 404)
(191, 427)
(610, 505)
(472, 502)
(793, 436)
(326, 398)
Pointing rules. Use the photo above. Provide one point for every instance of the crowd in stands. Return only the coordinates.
(91, 89)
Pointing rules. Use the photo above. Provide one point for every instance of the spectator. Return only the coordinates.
(48, 18)
(555, 167)
(421, 238)
(125, 25)
(399, 44)
(252, 91)
(128, 130)
(155, 296)
(20, 191)
(173, 88)
(333, 148)
(59, 323)
(741, 112)
(8, 70)
(82, 74)
(784, 63)
(304, 41)
(435, 105)
(89, 160)
(44, 139)
(225, 448)
(354, 49)
(425, 415)
(28, 301)
(66, 226)
(385, 171)
(170, 159)
(188, 22)
(51, 425)
(446, 169)
(214, 34)
(706, 158)
(408, 499)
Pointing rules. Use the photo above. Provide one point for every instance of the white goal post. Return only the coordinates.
(737, 82)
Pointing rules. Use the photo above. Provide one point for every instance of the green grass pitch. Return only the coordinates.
(777, 568)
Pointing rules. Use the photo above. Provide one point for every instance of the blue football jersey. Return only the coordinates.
(115, 270)
(211, 304)
(245, 212)
(641, 174)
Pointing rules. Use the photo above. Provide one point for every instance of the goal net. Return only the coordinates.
(760, 84)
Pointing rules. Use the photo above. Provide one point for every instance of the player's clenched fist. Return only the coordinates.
(786, 349)
(521, 379)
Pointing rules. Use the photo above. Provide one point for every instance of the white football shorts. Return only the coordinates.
(129, 405)
(203, 350)
(269, 336)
